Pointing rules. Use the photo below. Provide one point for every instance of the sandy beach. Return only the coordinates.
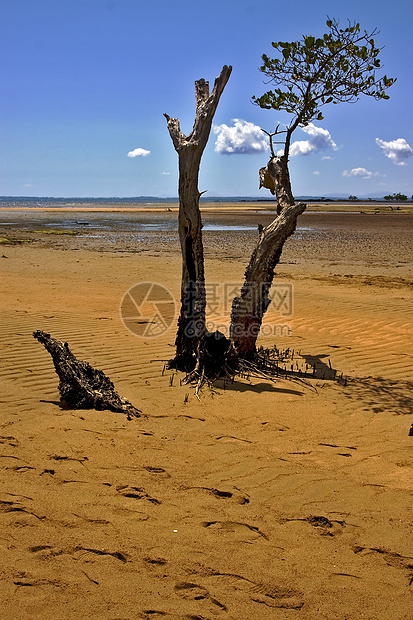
(260, 500)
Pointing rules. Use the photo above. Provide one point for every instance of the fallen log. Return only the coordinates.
(81, 386)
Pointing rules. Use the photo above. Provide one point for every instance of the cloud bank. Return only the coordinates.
(396, 150)
(243, 138)
(138, 153)
(318, 140)
(362, 173)
(246, 138)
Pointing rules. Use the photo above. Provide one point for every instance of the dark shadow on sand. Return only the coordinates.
(258, 388)
(61, 404)
(382, 395)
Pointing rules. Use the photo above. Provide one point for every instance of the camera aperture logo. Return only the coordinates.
(148, 309)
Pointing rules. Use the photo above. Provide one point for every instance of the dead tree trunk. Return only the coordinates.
(191, 322)
(249, 308)
(81, 386)
(276, 178)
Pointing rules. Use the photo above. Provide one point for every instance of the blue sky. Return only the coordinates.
(84, 83)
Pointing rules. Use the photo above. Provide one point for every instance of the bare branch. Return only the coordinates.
(206, 108)
(201, 92)
(178, 138)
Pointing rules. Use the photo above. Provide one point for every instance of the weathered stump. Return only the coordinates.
(216, 359)
(81, 386)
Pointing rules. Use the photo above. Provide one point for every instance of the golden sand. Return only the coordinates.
(258, 501)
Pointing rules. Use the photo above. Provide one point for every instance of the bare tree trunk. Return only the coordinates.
(191, 322)
(249, 308)
(276, 178)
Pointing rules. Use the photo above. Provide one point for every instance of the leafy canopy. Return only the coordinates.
(336, 68)
(398, 196)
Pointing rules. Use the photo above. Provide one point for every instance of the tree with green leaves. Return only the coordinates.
(308, 74)
(398, 197)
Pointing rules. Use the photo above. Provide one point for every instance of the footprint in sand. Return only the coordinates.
(9, 441)
(235, 527)
(279, 597)
(195, 592)
(325, 526)
(236, 496)
(158, 471)
(136, 493)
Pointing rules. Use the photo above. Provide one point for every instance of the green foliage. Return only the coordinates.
(351, 197)
(312, 72)
(57, 232)
(398, 196)
(10, 241)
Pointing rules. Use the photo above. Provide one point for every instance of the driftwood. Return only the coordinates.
(81, 386)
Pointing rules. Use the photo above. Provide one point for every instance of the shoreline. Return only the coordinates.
(314, 207)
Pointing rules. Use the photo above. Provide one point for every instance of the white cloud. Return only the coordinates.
(138, 153)
(165, 173)
(318, 140)
(316, 173)
(360, 172)
(299, 147)
(396, 150)
(243, 138)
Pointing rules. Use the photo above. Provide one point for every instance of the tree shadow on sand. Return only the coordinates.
(320, 369)
(379, 394)
(258, 388)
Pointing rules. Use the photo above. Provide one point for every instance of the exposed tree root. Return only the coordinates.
(217, 359)
(81, 386)
(255, 368)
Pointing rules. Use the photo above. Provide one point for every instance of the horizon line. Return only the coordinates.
(338, 196)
